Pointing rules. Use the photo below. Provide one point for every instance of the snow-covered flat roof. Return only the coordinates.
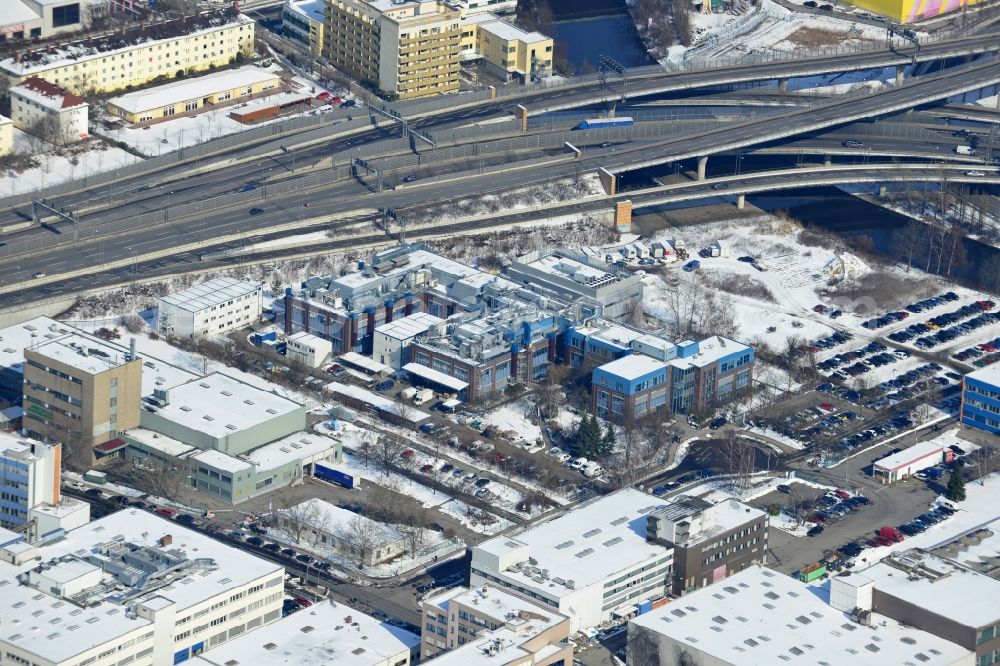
(587, 544)
(615, 334)
(363, 362)
(219, 405)
(572, 269)
(758, 616)
(66, 630)
(508, 32)
(325, 633)
(90, 355)
(309, 340)
(633, 366)
(221, 461)
(409, 326)
(411, 414)
(907, 456)
(988, 375)
(295, 447)
(500, 606)
(435, 376)
(941, 586)
(155, 440)
(710, 350)
(178, 92)
(212, 293)
(13, 339)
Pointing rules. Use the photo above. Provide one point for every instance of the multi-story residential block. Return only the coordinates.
(981, 399)
(324, 633)
(758, 616)
(6, 136)
(140, 55)
(79, 391)
(136, 588)
(324, 525)
(591, 564)
(30, 474)
(410, 48)
(41, 19)
(212, 308)
(710, 541)
(466, 626)
(43, 108)
(506, 51)
(191, 95)
(308, 349)
(928, 592)
(302, 20)
(697, 376)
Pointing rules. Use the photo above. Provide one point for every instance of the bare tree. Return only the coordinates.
(738, 455)
(297, 520)
(387, 453)
(799, 501)
(413, 529)
(982, 458)
(362, 536)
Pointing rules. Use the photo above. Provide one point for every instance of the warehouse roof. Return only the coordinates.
(409, 326)
(633, 366)
(297, 446)
(435, 376)
(209, 294)
(909, 456)
(758, 616)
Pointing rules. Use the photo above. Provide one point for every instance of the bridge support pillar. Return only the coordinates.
(783, 85)
(741, 201)
(522, 114)
(493, 92)
(827, 160)
(998, 98)
(900, 74)
(623, 216)
(609, 181)
(702, 163)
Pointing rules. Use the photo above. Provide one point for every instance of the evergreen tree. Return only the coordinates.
(955, 491)
(588, 437)
(607, 442)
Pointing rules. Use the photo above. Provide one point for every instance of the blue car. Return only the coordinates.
(692, 265)
(660, 490)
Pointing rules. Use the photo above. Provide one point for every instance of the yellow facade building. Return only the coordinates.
(506, 51)
(410, 48)
(194, 94)
(6, 136)
(907, 11)
(141, 56)
(302, 20)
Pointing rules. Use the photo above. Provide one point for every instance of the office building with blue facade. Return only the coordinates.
(654, 375)
(981, 399)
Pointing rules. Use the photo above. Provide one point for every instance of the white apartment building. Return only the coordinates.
(29, 476)
(491, 6)
(212, 308)
(132, 588)
(53, 113)
(590, 564)
(308, 349)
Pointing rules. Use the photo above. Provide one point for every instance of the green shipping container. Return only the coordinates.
(812, 572)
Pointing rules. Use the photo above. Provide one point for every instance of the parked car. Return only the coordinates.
(718, 423)
(256, 211)
(692, 265)
(816, 530)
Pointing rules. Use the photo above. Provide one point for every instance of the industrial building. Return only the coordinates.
(308, 349)
(467, 626)
(392, 340)
(408, 48)
(936, 595)
(710, 541)
(43, 108)
(132, 587)
(302, 21)
(193, 95)
(591, 564)
(981, 399)
(223, 413)
(324, 633)
(906, 463)
(140, 55)
(506, 51)
(212, 308)
(324, 525)
(41, 19)
(79, 390)
(758, 616)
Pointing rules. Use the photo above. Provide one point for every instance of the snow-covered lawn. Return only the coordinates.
(515, 420)
(60, 165)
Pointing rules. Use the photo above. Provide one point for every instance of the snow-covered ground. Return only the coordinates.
(515, 420)
(59, 165)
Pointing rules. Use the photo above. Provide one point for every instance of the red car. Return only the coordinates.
(819, 308)
(336, 100)
(407, 454)
(427, 469)
(842, 494)
(324, 96)
(166, 512)
(305, 603)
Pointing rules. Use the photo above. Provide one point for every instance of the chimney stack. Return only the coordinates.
(131, 349)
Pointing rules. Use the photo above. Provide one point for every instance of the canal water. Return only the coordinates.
(584, 30)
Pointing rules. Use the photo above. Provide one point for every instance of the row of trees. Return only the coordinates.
(663, 23)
